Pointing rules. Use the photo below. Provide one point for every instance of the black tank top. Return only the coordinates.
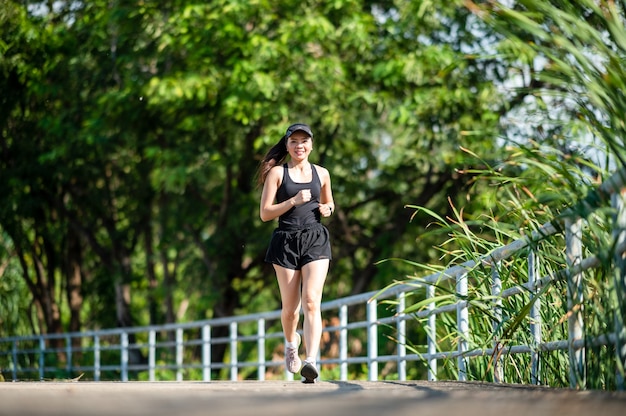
(302, 215)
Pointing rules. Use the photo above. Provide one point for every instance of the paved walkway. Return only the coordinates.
(292, 398)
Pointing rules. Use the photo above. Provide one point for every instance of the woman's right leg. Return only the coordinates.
(289, 282)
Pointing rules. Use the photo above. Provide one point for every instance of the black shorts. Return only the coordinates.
(293, 249)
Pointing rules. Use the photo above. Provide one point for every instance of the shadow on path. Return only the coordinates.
(326, 398)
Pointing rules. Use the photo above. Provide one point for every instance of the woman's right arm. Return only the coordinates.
(268, 208)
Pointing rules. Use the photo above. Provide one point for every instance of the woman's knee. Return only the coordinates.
(290, 313)
(311, 304)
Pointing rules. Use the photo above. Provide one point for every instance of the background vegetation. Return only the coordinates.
(131, 131)
(571, 56)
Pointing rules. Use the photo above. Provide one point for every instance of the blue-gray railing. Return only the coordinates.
(27, 357)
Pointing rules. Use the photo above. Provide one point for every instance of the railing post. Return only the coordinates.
(619, 202)
(233, 351)
(96, 357)
(124, 353)
(206, 352)
(261, 348)
(179, 354)
(431, 335)
(372, 340)
(42, 361)
(68, 352)
(343, 342)
(14, 357)
(573, 241)
(496, 290)
(401, 328)
(462, 321)
(535, 319)
(152, 355)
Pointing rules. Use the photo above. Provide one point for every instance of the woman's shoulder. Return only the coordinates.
(320, 168)
(322, 171)
(276, 172)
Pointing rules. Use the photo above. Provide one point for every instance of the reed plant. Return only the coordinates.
(580, 86)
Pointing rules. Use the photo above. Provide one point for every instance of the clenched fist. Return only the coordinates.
(302, 197)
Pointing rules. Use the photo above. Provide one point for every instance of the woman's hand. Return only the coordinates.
(302, 197)
(325, 209)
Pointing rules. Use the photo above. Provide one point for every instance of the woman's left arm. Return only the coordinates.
(327, 203)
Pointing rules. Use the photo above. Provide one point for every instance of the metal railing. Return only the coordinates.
(183, 350)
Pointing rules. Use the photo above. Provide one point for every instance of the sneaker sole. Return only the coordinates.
(309, 373)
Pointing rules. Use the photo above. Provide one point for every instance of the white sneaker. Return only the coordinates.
(292, 360)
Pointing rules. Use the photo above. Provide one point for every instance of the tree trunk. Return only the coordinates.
(74, 281)
(122, 304)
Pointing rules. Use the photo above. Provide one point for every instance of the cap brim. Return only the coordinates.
(299, 127)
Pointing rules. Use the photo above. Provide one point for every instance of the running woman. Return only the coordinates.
(298, 193)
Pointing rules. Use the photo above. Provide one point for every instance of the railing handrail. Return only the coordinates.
(459, 272)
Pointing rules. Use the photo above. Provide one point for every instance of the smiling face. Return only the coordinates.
(299, 146)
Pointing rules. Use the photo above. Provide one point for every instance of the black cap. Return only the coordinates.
(298, 126)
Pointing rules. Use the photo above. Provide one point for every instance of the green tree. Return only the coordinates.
(133, 130)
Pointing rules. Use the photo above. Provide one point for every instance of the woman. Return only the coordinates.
(298, 193)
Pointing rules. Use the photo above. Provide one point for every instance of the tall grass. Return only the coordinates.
(582, 48)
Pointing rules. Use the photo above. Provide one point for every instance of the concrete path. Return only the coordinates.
(292, 398)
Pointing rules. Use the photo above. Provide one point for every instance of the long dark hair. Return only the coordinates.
(275, 156)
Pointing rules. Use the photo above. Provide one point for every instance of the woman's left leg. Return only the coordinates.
(313, 278)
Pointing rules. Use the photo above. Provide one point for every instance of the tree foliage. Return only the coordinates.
(131, 132)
